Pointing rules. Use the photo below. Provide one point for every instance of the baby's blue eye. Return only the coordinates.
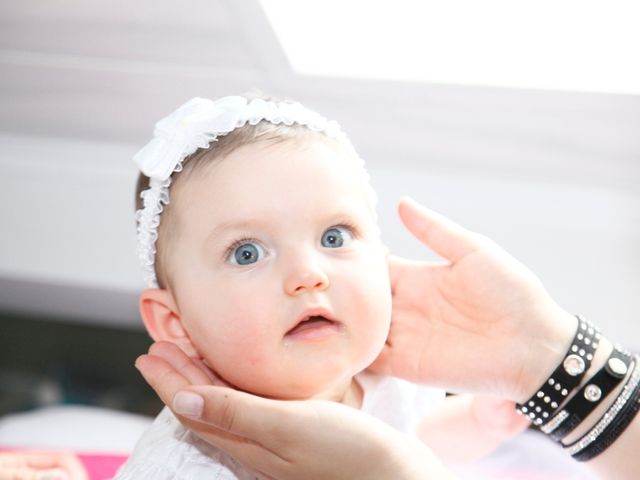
(246, 254)
(336, 237)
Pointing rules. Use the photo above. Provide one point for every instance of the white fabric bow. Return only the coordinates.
(193, 125)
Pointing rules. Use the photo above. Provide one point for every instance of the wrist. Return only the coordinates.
(546, 349)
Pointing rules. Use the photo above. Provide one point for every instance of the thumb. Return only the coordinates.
(443, 236)
(238, 413)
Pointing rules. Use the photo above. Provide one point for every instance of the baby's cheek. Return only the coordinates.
(247, 351)
(253, 354)
(375, 322)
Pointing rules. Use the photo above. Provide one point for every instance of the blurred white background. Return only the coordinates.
(478, 120)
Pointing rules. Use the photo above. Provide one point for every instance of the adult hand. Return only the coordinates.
(278, 439)
(479, 322)
(37, 465)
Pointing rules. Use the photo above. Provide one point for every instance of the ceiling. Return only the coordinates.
(108, 71)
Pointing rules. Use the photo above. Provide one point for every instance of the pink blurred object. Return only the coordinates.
(101, 466)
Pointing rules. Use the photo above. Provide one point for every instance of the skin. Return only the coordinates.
(479, 322)
(295, 438)
(236, 318)
(488, 304)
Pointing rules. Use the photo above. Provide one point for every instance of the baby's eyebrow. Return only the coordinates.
(231, 225)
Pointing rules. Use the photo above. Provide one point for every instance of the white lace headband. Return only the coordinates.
(195, 125)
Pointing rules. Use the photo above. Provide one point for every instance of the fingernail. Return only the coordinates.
(188, 404)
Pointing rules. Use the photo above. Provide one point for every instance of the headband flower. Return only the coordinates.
(193, 125)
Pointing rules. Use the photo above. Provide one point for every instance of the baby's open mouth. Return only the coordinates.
(310, 323)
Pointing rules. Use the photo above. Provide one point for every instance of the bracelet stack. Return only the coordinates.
(566, 377)
(559, 406)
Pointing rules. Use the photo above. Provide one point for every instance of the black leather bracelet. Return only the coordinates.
(589, 396)
(614, 430)
(567, 376)
(613, 422)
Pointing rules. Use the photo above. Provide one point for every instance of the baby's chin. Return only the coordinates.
(315, 380)
(334, 391)
(322, 385)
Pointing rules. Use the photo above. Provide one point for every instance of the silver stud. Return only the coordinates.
(589, 356)
(583, 326)
(532, 415)
(591, 331)
(617, 366)
(538, 421)
(547, 399)
(582, 352)
(573, 365)
(545, 414)
(595, 345)
(540, 394)
(551, 381)
(554, 405)
(564, 392)
(574, 348)
(525, 409)
(580, 336)
(531, 403)
(592, 393)
(519, 412)
(538, 409)
(587, 341)
(557, 387)
(598, 336)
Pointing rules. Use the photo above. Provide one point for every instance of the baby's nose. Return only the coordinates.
(306, 278)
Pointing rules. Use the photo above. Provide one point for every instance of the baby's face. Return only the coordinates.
(279, 275)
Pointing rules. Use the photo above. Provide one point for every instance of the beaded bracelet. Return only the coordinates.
(565, 377)
(612, 423)
(589, 396)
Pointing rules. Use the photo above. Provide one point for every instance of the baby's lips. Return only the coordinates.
(309, 314)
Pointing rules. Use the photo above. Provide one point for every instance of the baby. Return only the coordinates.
(258, 235)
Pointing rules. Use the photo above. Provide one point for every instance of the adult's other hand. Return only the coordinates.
(479, 322)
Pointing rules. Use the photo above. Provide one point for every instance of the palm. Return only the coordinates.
(456, 325)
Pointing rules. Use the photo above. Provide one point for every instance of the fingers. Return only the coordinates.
(246, 415)
(264, 461)
(161, 376)
(188, 367)
(398, 266)
(221, 419)
(382, 364)
(443, 236)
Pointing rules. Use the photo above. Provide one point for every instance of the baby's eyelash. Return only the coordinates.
(236, 243)
(349, 226)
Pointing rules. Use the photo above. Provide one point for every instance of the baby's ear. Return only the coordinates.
(162, 319)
